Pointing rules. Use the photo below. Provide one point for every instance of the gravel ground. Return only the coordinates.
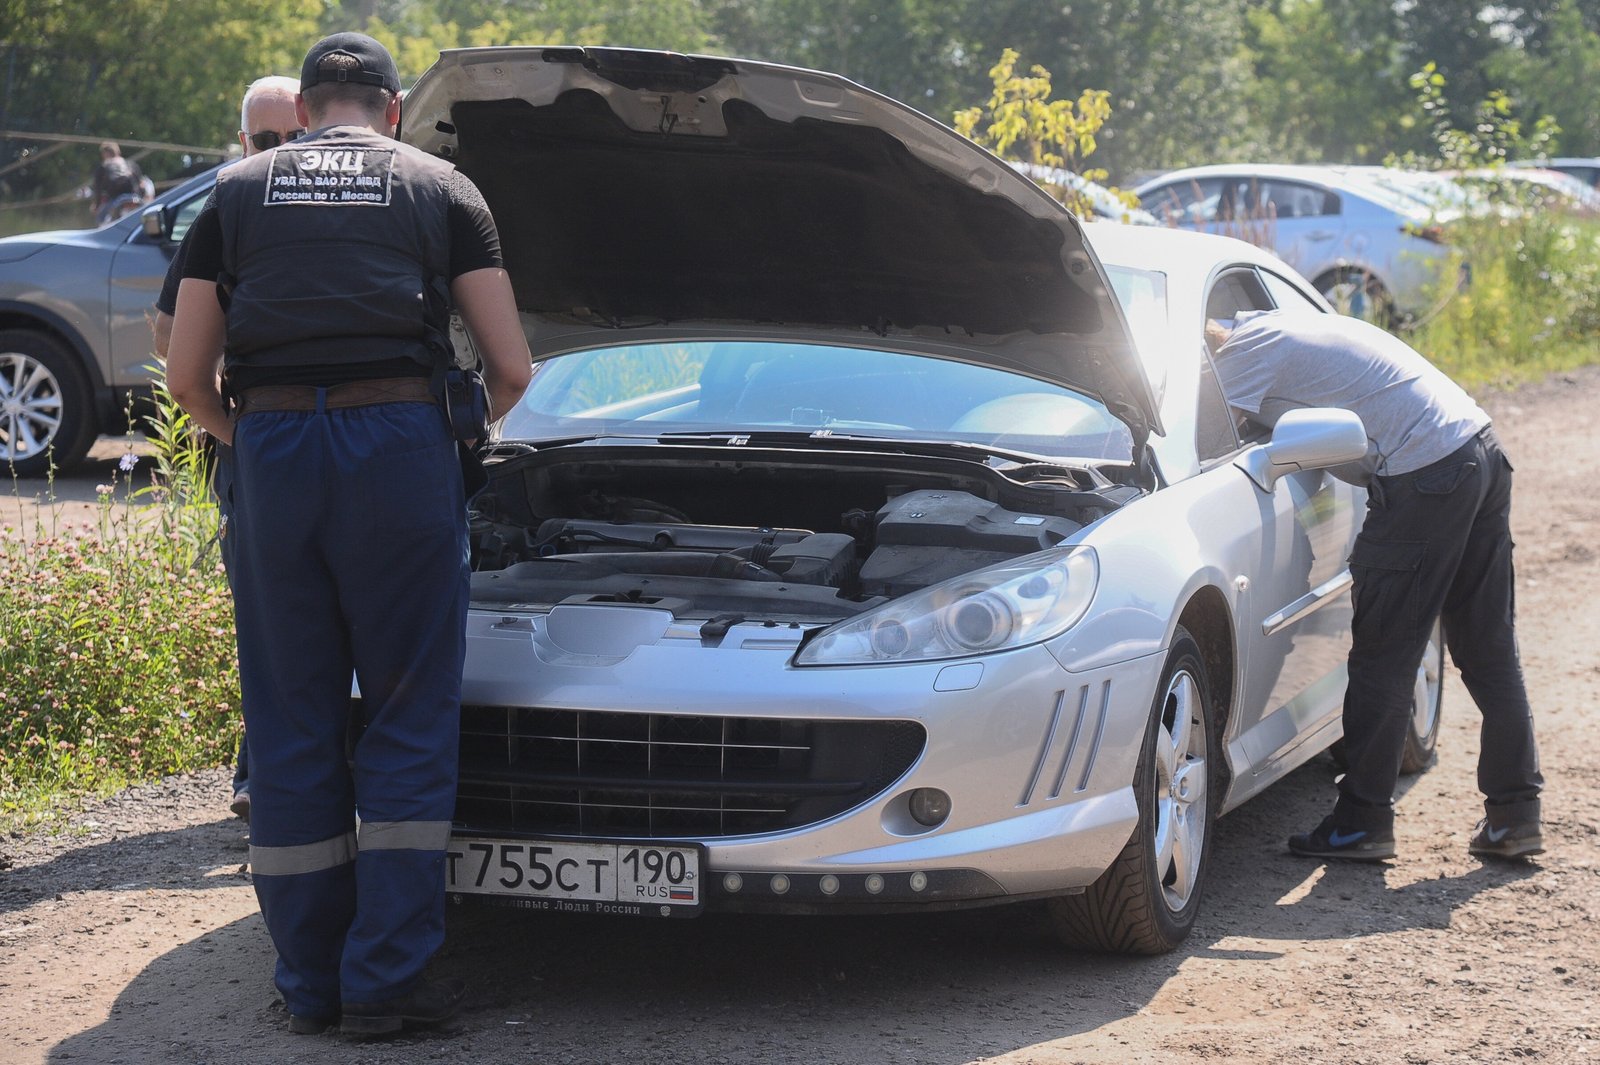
(134, 937)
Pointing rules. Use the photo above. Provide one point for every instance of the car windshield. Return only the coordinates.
(766, 386)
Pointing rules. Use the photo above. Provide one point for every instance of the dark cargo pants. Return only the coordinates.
(1437, 543)
(349, 557)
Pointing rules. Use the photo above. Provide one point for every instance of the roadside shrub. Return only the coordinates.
(1532, 305)
(117, 655)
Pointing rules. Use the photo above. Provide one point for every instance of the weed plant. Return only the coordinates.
(117, 659)
(1532, 306)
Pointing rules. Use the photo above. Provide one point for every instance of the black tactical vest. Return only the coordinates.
(335, 250)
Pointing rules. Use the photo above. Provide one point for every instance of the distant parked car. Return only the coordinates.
(74, 329)
(1370, 249)
(1106, 205)
(1584, 168)
(1531, 188)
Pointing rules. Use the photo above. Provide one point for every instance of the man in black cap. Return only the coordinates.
(324, 270)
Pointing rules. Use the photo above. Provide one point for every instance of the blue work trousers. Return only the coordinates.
(1437, 543)
(349, 558)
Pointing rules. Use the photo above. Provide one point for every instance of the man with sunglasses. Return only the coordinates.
(266, 120)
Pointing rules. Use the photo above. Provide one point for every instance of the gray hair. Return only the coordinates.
(271, 85)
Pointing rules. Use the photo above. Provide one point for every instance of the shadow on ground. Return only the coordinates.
(923, 989)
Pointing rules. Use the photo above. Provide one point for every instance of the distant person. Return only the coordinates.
(1436, 542)
(117, 185)
(266, 120)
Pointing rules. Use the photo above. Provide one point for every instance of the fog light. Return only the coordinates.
(930, 806)
(919, 881)
(732, 883)
(829, 884)
(874, 884)
(780, 884)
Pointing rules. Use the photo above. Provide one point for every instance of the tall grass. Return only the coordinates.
(117, 655)
(1532, 306)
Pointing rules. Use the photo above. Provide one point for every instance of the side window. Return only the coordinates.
(1216, 430)
(185, 214)
(1289, 199)
(1286, 295)
(1185, 203)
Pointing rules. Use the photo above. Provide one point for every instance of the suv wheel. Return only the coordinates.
(46, 408)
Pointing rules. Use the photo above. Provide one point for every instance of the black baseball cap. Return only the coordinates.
(376, 64)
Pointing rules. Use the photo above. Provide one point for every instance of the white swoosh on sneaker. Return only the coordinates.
(1496, 834)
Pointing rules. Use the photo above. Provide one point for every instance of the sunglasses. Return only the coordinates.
(268, 139)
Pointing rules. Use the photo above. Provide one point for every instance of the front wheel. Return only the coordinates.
(1147, 901)
(1427, 702)
(46, 406)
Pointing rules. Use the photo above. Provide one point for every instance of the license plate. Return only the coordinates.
(578, 877)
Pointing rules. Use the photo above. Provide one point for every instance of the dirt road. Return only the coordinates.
(136, 939)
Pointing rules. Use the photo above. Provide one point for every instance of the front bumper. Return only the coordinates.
(1038, 762)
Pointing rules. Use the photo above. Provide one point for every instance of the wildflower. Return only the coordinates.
(128, 462)
(102, 489)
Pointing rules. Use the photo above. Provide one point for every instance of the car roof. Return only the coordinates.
(1163, 248)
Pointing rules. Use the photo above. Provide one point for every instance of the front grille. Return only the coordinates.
(599, 773)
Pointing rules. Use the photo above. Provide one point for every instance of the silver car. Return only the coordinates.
(1369, 248)
(75, 310)
(873, 535)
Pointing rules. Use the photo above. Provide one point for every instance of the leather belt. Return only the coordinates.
(350, 394)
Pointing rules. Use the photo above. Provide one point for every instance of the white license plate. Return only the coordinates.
(630, 878)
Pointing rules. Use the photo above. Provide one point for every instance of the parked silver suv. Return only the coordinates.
(74, 328)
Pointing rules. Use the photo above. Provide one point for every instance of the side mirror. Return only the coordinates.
(1311, 438)
(153, 220)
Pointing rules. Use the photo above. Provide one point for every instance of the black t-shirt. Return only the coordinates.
(474, 245)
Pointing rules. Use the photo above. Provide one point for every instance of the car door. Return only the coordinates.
(137, 271)
(1293, 615)
(1308, 221)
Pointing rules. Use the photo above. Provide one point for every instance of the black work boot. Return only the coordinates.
(429, 1002)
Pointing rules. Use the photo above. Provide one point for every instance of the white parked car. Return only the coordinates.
(873, 535)
(1585, 168)
(1370, 248)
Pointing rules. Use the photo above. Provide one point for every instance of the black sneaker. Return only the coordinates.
(1507, 841)
(1329, 840)
(309, 1025)
(430, 1002)
(240, 806)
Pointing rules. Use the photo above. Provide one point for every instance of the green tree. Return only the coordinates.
(1329, 79)
(1543, 68)
(139, 69)
(1022, 123)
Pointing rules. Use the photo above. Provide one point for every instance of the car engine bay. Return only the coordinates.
(782, 535)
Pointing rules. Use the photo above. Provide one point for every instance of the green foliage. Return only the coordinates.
(1494, 136)
(1533, 304)
(1564, 53)
(1022, 123)
(117, 655)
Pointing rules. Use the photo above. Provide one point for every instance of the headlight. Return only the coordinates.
(1014, 604)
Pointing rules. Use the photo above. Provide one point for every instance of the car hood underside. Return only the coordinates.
(641, 195)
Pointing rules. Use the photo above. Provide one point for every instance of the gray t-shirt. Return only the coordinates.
(1275, 361)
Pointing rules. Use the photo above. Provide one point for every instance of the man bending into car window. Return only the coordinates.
(1436, 542)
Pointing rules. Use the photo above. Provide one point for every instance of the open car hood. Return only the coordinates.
(648, 196)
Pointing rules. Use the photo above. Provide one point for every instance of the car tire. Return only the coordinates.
(1358, 294)
(1427, 702)
(46, 405)
(1427, 710)
(1147, 901)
